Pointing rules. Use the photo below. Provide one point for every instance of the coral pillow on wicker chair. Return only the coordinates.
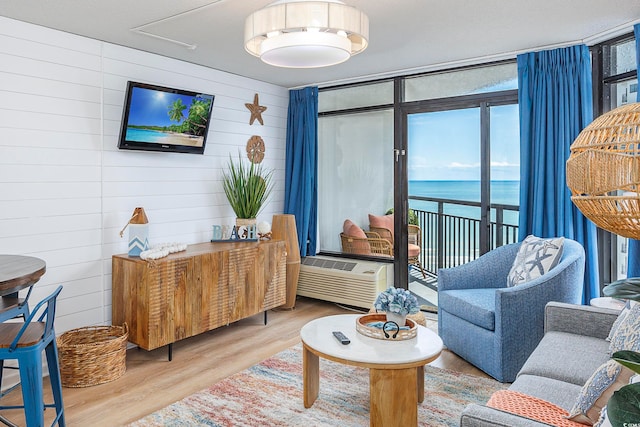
(382, 221)
(359, 244)
(350, 228)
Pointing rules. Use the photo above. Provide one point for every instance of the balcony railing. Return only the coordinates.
(449, 240)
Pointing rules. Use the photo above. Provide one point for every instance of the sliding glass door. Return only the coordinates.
(463, 177)
(444, 180)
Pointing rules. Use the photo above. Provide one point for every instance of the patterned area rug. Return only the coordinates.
(270, 394)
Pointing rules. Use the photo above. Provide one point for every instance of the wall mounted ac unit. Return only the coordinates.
(350, 282)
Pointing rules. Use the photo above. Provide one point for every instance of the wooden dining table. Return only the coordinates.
(19, 272)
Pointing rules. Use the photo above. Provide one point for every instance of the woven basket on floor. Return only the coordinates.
(92, 355)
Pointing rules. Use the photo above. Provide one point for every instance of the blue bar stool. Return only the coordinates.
(11, 306)
(25, 343)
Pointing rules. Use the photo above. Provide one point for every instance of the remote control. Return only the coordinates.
(341, 337)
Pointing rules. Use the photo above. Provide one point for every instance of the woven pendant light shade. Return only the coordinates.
(603, 171)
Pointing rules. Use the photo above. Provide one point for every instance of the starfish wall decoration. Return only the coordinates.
(256, 110)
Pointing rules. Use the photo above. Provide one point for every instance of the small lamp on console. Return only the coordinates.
(138, 232)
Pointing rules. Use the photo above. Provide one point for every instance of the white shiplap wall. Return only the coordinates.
(65, 188)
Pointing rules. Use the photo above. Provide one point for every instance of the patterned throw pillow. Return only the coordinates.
(627, 335)
(603, 421)
(595, 394)
(621, 317)
(535, 258)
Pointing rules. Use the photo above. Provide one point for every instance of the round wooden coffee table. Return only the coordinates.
(396, 368)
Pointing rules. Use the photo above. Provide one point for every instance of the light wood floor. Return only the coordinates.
(152, 382)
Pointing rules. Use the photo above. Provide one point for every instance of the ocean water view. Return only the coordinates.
(157, 137)
(144, 135)
(502, 192)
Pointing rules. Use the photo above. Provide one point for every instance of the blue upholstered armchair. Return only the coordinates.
(496, 327)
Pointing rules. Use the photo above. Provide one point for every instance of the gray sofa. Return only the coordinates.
(573, 346)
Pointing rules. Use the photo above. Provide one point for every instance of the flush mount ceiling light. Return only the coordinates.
(306, 33)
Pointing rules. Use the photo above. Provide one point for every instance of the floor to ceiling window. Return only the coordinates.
(355, 161)
(448, 121)
(614, 62)
(453, 135)
(463, 161)
(504, 174)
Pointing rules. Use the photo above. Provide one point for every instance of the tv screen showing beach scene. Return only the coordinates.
(157, 118)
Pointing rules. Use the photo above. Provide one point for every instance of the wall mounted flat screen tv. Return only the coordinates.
(157, 118)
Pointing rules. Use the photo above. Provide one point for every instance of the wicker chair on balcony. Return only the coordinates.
(357, 241)
(382, 226)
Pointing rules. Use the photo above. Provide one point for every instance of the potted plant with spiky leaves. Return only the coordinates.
(247, 187)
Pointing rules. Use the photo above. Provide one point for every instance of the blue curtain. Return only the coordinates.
(633, 268)
(301, 169)
(556, 103)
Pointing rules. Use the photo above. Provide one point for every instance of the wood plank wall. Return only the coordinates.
(65, 188)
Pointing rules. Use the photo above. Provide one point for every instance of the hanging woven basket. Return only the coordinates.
(603, 171)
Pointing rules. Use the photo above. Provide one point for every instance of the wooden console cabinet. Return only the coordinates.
(191, 292)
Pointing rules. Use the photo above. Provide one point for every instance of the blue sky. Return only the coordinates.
(151, 107)
(446, 145)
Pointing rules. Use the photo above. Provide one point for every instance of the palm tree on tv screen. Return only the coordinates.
(196, 121)
(176, 110)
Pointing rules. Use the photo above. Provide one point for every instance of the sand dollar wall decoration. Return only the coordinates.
(255, 149)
